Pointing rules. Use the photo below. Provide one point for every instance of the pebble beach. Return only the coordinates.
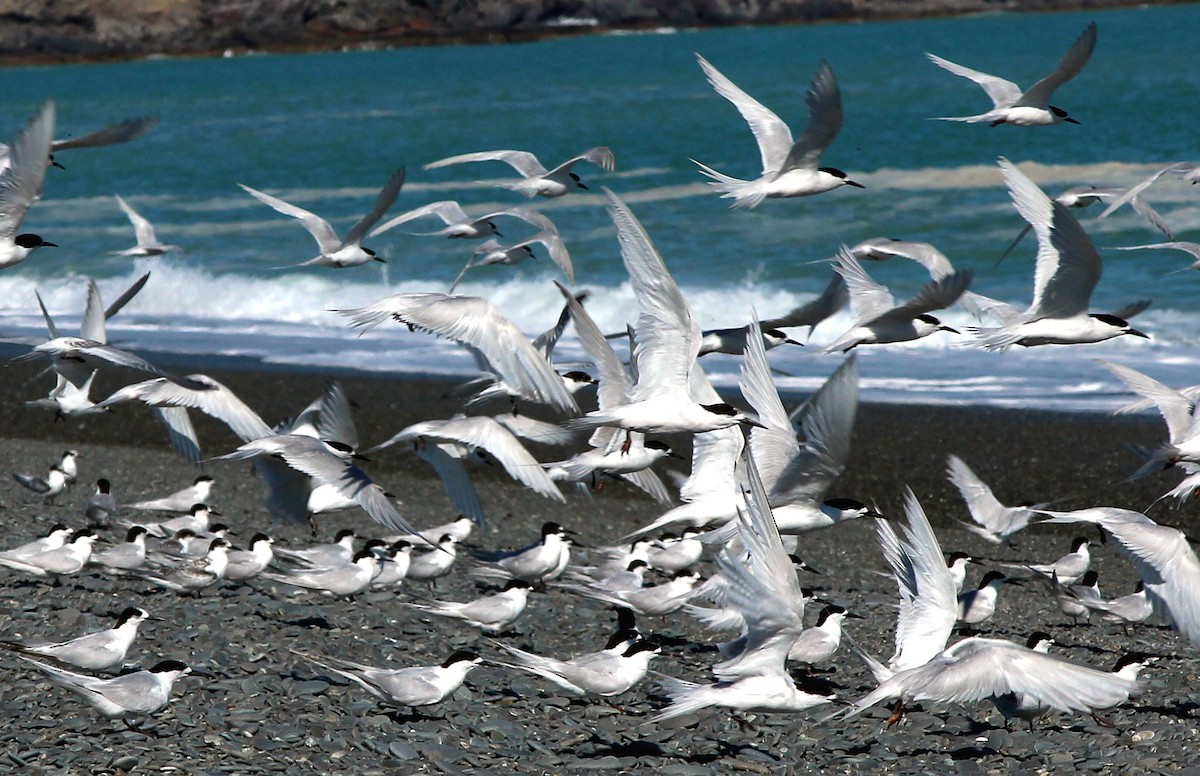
(253, 707)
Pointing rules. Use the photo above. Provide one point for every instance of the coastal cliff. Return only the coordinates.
(70, 30)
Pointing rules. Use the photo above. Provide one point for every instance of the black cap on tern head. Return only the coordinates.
(462, 656)
(1038, 637)
(202, 478)
(132, 613)
(165, 666)
(1077, 542)
(133, 533)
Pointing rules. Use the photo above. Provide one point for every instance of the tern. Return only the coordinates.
(110, 135)
(1190, 248)
(878, 319)
(21, 186)
(67, 559)
(540, 562)
(978, 605)
(490, 613)
(1178, 412)
(129, 554)
(820, 643)
(458, 223)
(436, 563)
(977, 669)
(347, 580)
(994, 522)
(54, 483)
(102, 506)
(323, 556)
(834, 297)
(139, 692)
(97, 651)
(537, 180)
(413, 686)
(610, 672)
(147, 240)
(183, 500)
(1068, 269)
(56, 537)
(475, 322)
(1069, 569)
(460, 528)
(335, 252)
(246, 564)
(676, 553)
(192, 576)
(1162, 557)
(326, 464)
(667, 341)
(495, 252)
(1030, 108)
(789, 169)
(652, 600)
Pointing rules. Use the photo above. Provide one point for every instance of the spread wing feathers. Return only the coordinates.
(110, 135)
(773, 136)
(335, 422)
(1068, 67)
(387, 195)
(668, 335)
(522, 161)
(827, 423)
(29, 157)
(199, 392)
(483, 432)
(776, 445)
(92, 326)
(1162, 556)
(319, 228)
(312, 457)
(824, 120)
(455, 480)
(615, 383)
(1003, 93)
(983, 505)
(762, 585)
(1175, 407)
(1068, 265)
(126, 296)
(868, 298)
(833, 298)
(180, 431)
(928, 598)
(714, 458)
(476, 322)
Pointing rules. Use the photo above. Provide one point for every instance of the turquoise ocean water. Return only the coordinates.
(325, 130)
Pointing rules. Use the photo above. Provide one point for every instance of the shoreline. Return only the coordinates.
(159, 34)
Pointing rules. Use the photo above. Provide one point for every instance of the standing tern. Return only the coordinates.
(147, 240)
(540, 562)
(199, 492)
(56, 537)
(97, 651)
(610, 672)
(537, 180)
(21, 186)
(1162, 557)
(652, 600)
(241, 565)
(1030, 108)
(335, 252)
(789, 169)
(54, 483)
(138, 692)
(1068, 269)
(1069, 569)
(192, 576)
(413, 686)
(102, 506)
(129, 554)
(819, 643)
(435, 563)
(347, 580)
(323, 556)
(978, 605)
(70, 558)
(490, 613)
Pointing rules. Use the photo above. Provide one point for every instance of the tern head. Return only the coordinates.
(133, 614)
(365, 557)
(1079, 543)
(32, 241)
(202, 479)
(135, 533)
(516, 584)
(85, 535)
(733, 413)
(958, 559)
(835, 172)
(1120, 324)
(1132, 663)
(835, 613)
(103, 486)
(799, 563)
(662, 448)
(218, 544)
(461, 657)
(1061, 115)
(402, 547)
(634, 565)
(643, 645)
(1039, 641)
(1089, 579)
(848, 509)
(931, 324)
(579, 377)
(995, 578)
(170, 667)
(260, 538)
(343, 535)
(776, 337)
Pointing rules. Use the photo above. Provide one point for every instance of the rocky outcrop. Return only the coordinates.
(54, 30)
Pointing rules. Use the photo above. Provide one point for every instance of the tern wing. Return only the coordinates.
(199, 392)
(383, 201)
(143, 230)
(601, 156)
(1175, 408)
(667, 334)
(1068, 265)
(522, 161)
(1002, 93)
(934, 295)
(868, 299)
(319, 228)
(1072, 62)
(29, 157)
(449, 211)
(824, 121)
(833, 298)
(928, 597)
(773, 136)
(92, 327)
(119, 303)
(110, 135)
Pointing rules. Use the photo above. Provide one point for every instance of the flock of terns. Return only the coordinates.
(760, 476)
